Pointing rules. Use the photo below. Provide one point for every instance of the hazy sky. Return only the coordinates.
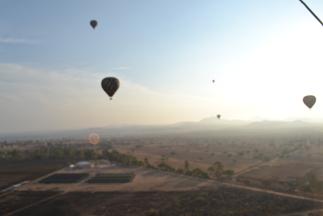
(263, 55)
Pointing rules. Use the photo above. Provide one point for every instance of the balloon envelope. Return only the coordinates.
(309, 101)
(110, 85)
(93, 23)
(218, 116)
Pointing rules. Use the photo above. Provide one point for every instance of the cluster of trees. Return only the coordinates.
(118, 157)
(196, 172)
(75, 152)
(216, 170)
(54, 152)
(310, 183)
(130, 160)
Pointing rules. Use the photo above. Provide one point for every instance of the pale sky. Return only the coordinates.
(263, 55)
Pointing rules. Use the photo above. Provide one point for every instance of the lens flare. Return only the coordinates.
(94, 138)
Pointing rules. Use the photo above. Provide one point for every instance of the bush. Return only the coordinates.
(199, 173)
(228, 173)
(152, 212)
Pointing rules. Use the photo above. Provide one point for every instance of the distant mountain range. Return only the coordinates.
(205, 126)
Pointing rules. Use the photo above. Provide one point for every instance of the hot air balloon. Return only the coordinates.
(309, 101)
(213, 81)
(110, 85)
(93, 23)
(218, 116)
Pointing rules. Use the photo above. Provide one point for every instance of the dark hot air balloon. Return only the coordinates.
(93, 23)
(110, 85)
(309, 101)
(218, 116)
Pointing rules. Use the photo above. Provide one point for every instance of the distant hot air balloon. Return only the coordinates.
(93, 23)
(213, 81)
(110, 85)
(309, 101)
(218, 116)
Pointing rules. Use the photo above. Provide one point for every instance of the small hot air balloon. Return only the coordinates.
(309, 101)
(110, 85)
(218, 116)
(213, 81)
(93, 23)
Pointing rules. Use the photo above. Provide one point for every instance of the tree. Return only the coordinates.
(216, 169)
(14, 154)
(186, 166)
(89, 154)
(152, 212)
(180, 171)
(146, 162)
(312, 184)
(228, 173)
(164, 166)
(199, 173)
